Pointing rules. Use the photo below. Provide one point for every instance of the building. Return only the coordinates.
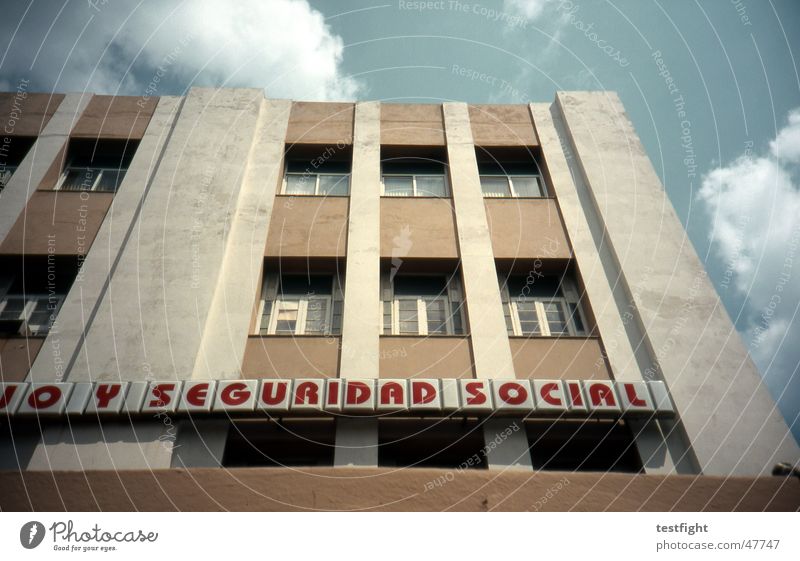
(486, 296)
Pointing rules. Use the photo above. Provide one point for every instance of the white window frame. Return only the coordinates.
(414, 177)
(422, 315)
(513, 193)
(316, 192)
(30, 305)
(96, 182)
(302, 314)
(541, 314)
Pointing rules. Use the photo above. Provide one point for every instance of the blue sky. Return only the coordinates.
(733, 62)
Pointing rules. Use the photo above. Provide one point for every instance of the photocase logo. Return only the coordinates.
(31, 534)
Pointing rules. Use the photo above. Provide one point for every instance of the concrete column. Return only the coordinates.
(490, 348)
(39, 159)
(65, 342)
(661, 450)
(227, 325)
(164, 279)
(200, 443)
(725, 410)
(357, 439)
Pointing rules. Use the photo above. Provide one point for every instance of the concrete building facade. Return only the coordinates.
(224, 236)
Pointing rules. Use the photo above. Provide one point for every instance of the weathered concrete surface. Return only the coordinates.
(284, 489)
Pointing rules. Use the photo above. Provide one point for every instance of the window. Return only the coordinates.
(28, 314)
(446, 443)
(96, 165)
(422, 305)
(510, 180)
(301, 305)
(330, 179)
(288, 443)
(12, 151)
(542, 306)
(407, 177)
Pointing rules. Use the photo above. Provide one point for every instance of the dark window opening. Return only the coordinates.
(289, 443)
(13, 150)
(96, 165)
(414, 172)
(510, 172)
(445, 443)
(583, 446)
(317, 170)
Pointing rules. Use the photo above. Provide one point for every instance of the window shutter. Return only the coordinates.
(338, 306)
(386, 287)
(570, 290)
(268, 294)
(454, 288)
(501, 282)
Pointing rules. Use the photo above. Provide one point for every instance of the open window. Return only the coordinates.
(510, 172)
(286, 443)
(446, 443)
(422, 304)
(12, 151)
(414, 172)
(317, 171)
(542, 305)
(96, 165)
(301, 304)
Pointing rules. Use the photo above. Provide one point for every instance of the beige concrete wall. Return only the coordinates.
(30, 114)
(502, 125)
(526, 228)
(291, 357)
(308, 226)
(72, 219)
(117, 117)
(16, 356)
(320, 123)
(425, 357)
(405, 124)
(314, 489)
(565, 358)
(418, 228)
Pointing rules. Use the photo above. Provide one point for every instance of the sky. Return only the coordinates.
(732, 170)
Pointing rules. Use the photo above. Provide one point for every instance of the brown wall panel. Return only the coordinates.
(291, 357)
(526, 228)
(425, 357)
(320, 123)
(71, 218)
(16, 356)
(120, 117)
(282, 489)
(502, 125)
(308, 226)
(565, 358)
(413, 227)
(407, 124)
(29, 115)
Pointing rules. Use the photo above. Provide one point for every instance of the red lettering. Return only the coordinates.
(391, 394)
(357, 392)
(519, 395)
(422, 392)
(161, 395)
(275, 397)
(635, 400)
(234, 394)
(601, 394)
(546, 392)
(105, 393)
(197, 394)
(36, 401)
(333, 392)
(575, 394)
(306, 393)
(475, 391)
(5, 399)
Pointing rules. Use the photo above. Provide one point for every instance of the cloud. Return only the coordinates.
(529, 9)
(284, 46)
(755, 205)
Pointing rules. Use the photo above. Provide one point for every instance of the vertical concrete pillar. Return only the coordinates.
(662, 450)
(39, 159)
(200, 443)
(228, 322)
(357, 439)
(725, 410)
(506, 447)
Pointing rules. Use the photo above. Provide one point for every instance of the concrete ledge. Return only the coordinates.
(282, 489)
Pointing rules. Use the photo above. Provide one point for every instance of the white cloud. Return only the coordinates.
(529, 9)
(284, 46)
(755, 205)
